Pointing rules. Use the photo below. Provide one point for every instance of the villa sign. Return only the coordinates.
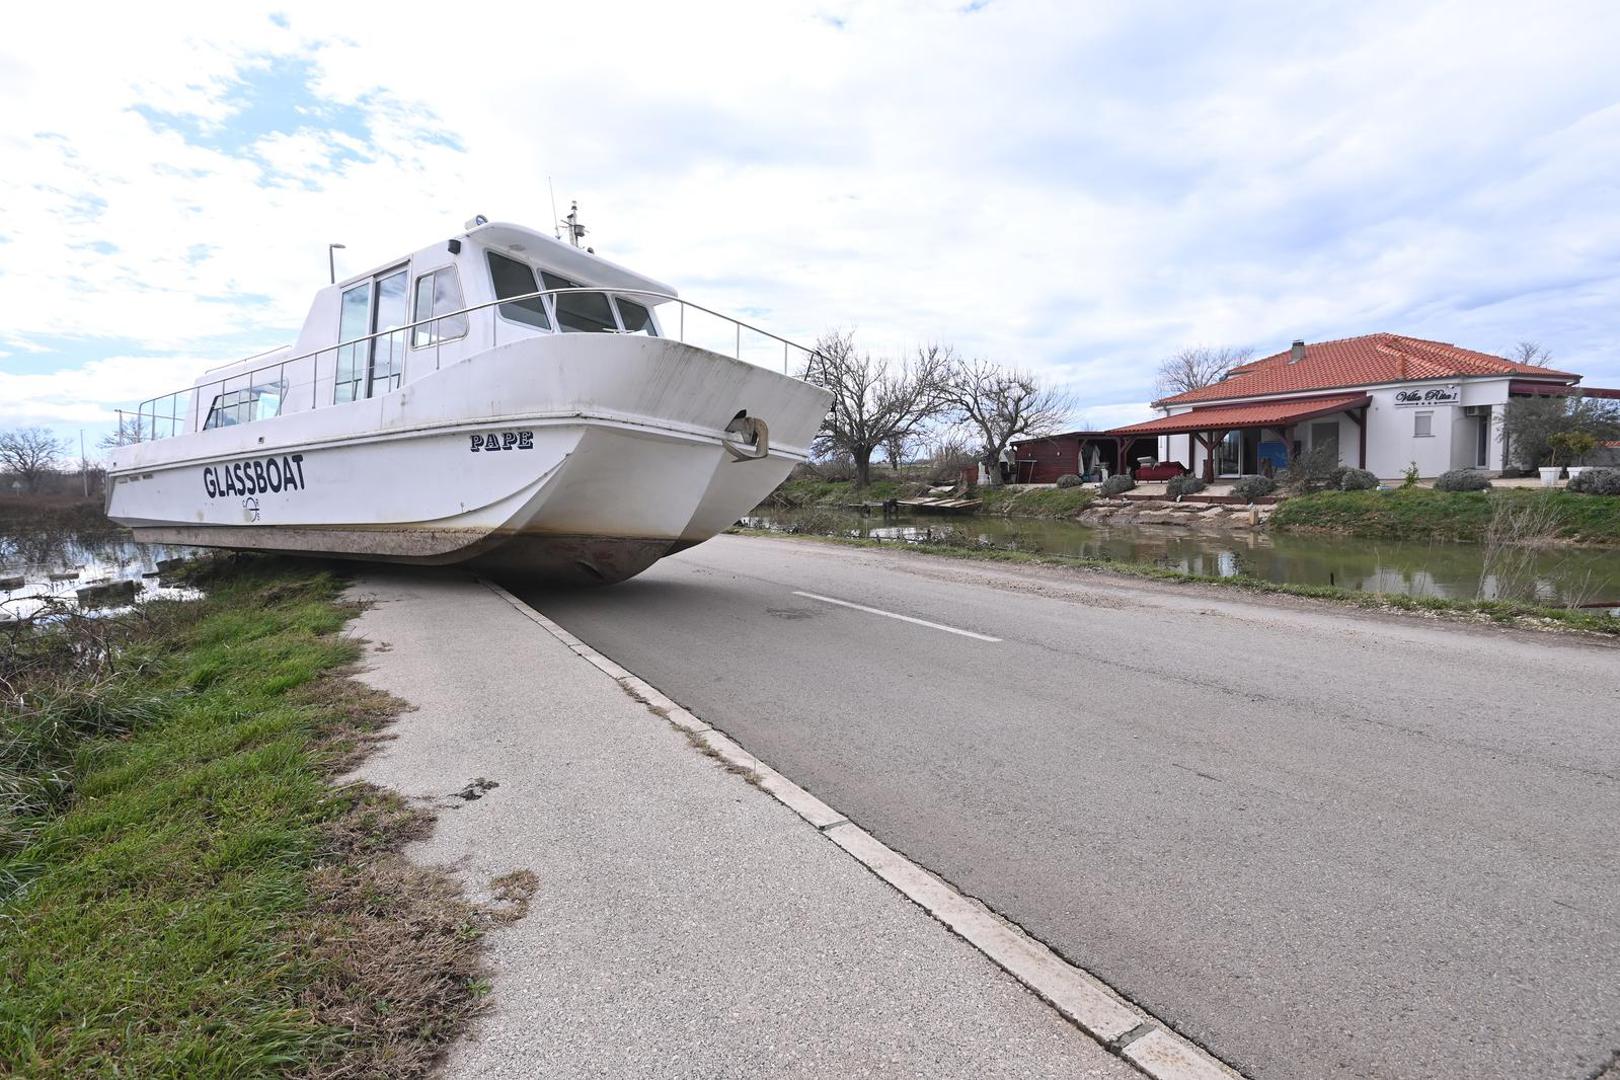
(1431, 395)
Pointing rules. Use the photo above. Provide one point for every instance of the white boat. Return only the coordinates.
(501, 398)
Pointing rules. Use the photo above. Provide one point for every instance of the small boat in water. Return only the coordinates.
(500, 398)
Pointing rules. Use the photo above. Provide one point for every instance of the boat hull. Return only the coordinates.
(571, 457)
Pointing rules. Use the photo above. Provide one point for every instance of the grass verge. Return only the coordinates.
(806, 491)
(1034, 502)
(183, 889)
(1500, 612)
(1423, 514)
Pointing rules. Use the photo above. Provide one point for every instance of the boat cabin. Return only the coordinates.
(374, 332)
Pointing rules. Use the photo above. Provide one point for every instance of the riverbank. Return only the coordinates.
(185, 885)
(1423, 514)
(1408, 514)
(1499, 612)
(810, 492)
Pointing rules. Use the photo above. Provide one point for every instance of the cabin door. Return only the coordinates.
(375, 366)
(388, 349)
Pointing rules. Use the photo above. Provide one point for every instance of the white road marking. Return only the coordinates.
(896, 615)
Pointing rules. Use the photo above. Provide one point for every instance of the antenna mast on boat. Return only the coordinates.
(556, 230)
(576, 231)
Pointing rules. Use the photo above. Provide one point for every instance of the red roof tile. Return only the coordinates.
(1258, 414)
(1358, 361)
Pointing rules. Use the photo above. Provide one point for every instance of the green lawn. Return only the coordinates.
(183, 892)
(1422, 514)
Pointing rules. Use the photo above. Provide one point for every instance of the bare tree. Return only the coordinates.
(128, 431)
(874, 401)
(1531, 353)
(1198, 367)
(999, 404)
(30, 454)
(894, 448)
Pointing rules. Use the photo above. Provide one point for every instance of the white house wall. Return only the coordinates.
(1392, 445)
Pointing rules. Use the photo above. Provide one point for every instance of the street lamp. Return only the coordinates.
(331, 263)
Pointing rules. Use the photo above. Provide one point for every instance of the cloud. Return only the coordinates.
(1081, 189)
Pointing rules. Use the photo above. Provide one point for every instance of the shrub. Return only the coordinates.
(1185, 484)
(1357, 480)
(1571, 446)
(1069, 480)
(1250, 488)
(1313, 470)
(1462, 480)
(1597, 482)
(1409, 476)
(1117, 485)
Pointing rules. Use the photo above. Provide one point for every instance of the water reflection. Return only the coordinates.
(1552, 576)
(43, 563)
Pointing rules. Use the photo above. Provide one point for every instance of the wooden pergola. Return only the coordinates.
(1210, 425)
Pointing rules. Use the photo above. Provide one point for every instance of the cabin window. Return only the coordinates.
(259, 402)
(636, 318)
(512, 278)
(355, 322)
(439, 293)
(581, 313)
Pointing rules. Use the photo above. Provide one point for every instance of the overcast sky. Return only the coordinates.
(1079, 188)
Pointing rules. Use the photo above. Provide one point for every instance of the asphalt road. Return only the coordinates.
(1320, 842)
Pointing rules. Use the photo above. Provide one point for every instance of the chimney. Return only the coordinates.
(1297, 352)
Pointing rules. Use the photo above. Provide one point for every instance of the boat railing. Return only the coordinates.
(263, 392)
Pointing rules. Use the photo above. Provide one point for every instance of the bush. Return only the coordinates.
(1313, 470)
(1597, 482)
(1185, 484)
(1117, 485)
(1462, 480)
(1356, 480)
(1250, 488)
(1069, 480)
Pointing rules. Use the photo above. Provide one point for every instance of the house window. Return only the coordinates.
(1325, 435)
(1422, 425)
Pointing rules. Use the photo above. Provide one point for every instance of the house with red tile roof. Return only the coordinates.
(1383, 401)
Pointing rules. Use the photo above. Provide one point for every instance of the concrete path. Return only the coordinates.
(686, 924)
(1323, 843)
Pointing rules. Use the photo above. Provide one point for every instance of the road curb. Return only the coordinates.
(1119, 1026)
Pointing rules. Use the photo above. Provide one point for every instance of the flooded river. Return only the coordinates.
(1555, 576)
(47, 558)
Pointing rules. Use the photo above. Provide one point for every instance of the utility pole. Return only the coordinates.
(84, 465)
